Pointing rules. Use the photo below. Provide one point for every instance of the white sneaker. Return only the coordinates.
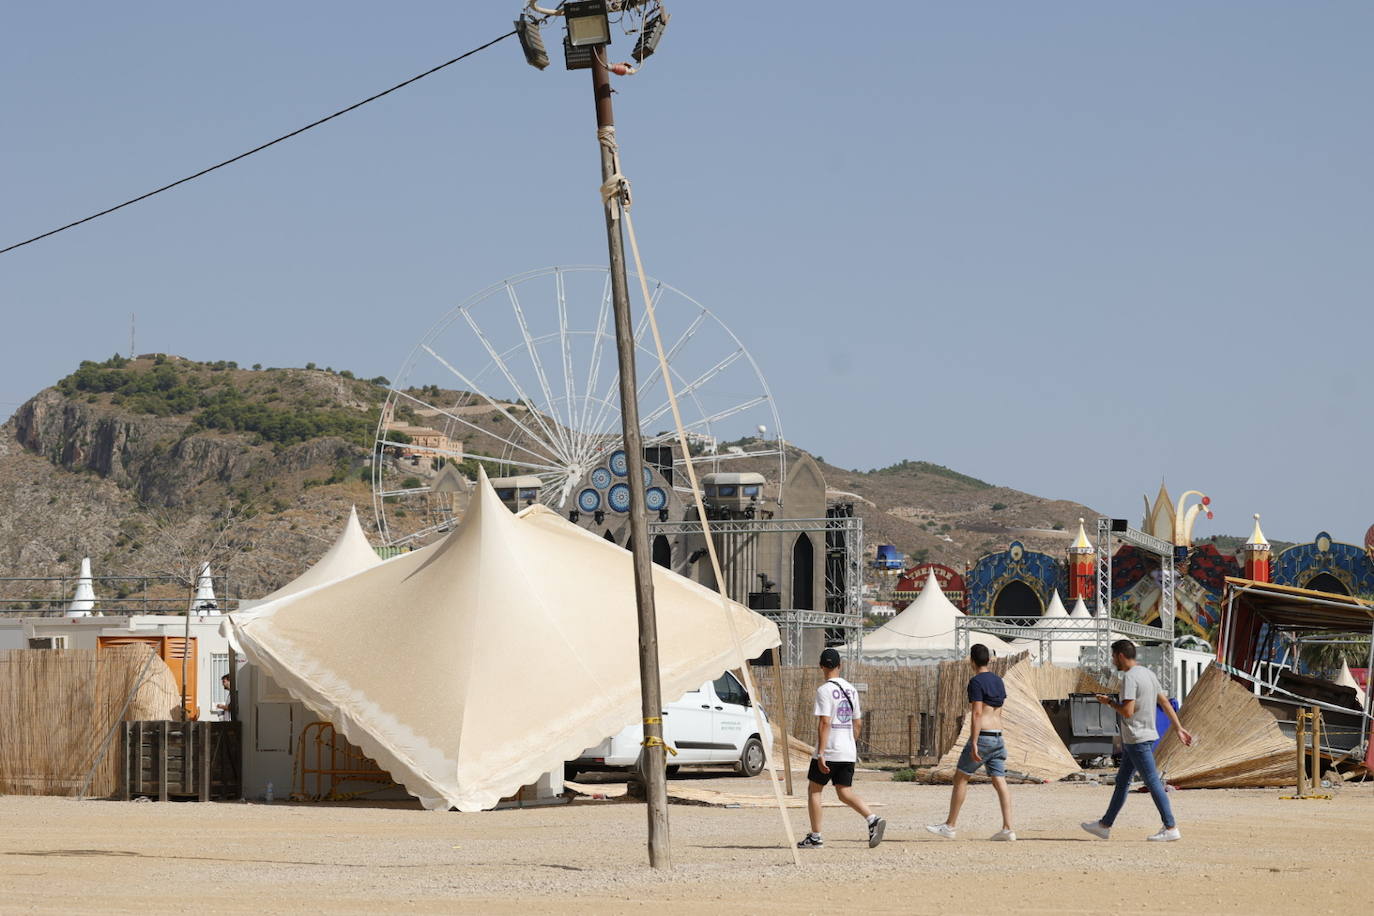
(944, 830)
(1003, 836)
(1096, 829)
(1165, 835)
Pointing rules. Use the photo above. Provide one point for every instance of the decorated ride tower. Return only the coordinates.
(1255, 556)
(1082, 565)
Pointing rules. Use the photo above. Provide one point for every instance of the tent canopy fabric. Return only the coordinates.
(1079, 611)
(925, 630)
(351, 553)
(470, 668)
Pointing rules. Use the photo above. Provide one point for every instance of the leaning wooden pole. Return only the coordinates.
(655, 767)
(781, 711)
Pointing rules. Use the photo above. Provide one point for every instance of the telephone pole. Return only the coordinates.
(651, 703)
(585, 46)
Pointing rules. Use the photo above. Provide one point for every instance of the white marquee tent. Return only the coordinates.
(471, 667)
(351, 553)
(924, 631)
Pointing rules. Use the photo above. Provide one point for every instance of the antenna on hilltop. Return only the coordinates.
(133, 351)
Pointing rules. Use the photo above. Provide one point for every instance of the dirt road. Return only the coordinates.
(1244, 851)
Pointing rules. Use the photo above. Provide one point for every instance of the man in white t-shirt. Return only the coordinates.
(838, 719)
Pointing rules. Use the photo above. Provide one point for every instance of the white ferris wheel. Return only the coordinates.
(522, 378)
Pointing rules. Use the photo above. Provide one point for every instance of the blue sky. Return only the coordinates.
(1066, 247)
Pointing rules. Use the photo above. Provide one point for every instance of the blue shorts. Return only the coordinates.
(993, 752)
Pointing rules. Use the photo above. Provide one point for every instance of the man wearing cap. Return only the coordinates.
(838, 720)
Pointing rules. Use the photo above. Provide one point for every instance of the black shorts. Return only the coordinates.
(842, 774)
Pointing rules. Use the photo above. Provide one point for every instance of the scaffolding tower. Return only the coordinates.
(843, 614)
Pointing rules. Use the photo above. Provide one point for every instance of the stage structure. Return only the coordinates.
(745, 544)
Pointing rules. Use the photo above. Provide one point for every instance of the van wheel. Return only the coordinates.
(569, 773)
(751, 759)
(672, 771)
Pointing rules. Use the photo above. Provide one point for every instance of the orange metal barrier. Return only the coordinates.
(325, 761)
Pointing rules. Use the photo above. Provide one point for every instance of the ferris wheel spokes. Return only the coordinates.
(551, 440)
(561, 426)
(468, 423)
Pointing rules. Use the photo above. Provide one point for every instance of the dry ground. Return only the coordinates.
(1244, 851)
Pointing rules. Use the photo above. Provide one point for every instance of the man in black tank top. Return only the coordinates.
(986, 695)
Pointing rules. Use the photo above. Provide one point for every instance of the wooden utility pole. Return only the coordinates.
(654, 766)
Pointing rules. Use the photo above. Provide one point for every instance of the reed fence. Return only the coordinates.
(59, 709)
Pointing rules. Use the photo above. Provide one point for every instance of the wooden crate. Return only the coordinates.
(165, 760)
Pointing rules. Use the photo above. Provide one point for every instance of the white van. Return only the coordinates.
(712, 725)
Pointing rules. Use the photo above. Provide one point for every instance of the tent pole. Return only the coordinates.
(654, 765)
(782, 718)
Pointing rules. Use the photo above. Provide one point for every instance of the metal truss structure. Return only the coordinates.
(1096, 632)
(1168, 579)
(794, 622)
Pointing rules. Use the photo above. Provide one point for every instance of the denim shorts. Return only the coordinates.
(993, 752)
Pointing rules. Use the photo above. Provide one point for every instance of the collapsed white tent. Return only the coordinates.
(470, 668)
(924, 631)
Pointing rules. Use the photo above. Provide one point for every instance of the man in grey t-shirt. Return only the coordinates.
(1140, 694)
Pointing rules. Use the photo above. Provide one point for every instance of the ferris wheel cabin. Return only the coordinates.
(517, 492)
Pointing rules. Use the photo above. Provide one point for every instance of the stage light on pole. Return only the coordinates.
(588, 24)
(650, 36)
(531, 42)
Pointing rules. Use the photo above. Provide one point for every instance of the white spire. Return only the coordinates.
(1081, 544)
(1079, 610)
(1257, 539)
(83, 600)
(204, 600)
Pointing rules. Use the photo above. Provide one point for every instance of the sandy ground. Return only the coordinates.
(1244, 851)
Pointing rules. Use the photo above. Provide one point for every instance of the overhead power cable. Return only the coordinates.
(257, 149)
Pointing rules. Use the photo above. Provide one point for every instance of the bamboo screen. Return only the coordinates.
(59, 707)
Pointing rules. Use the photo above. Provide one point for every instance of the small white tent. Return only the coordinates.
(83, 599)
(470, 668)
(1061, 651)
(924, 631)
(1079, 611)
(1346, 679)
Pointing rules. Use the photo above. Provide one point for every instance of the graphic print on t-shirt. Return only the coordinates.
(837, 700)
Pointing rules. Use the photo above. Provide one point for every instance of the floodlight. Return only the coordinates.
(531, 42)
(650, 36)
(662, 515)
(574, 515)
(588, 24)
(576, 58)
(599, 516)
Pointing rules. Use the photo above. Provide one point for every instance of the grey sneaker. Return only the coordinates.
(1096, 829)
(944, 830)
(811, 841)
(875, 831)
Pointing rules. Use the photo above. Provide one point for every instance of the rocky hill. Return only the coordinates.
(139, 463)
